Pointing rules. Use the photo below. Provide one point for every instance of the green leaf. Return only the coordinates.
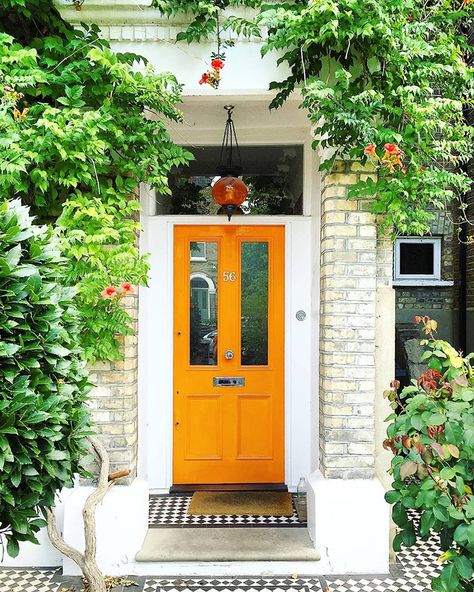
(426, 523)
(436, 419)
(13, 547)
(449, 576)
(392, 496)
(12, 257)
(373, 65)
(399, 515)
(441, 513)
(463, 566)
(447, 473)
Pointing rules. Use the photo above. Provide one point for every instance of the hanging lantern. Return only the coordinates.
(229, 192)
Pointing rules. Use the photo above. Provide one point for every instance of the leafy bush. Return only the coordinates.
(432, 439)
(43, 383)
(80, 128)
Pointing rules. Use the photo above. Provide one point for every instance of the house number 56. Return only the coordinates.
(229, 276)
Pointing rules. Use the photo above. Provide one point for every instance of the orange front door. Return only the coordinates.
(228, 354)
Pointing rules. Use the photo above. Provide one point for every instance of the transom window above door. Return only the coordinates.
(272, 173)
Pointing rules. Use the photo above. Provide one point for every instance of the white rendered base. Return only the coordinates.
(121, 521)
(350, 520)
(30, 555)
(234, 568)
(44, 554)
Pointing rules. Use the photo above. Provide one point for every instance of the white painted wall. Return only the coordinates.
(43, 554)
(121, 525)
(348, 520)
(131, 26)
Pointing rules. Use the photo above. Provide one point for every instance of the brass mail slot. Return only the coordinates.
(229, 381)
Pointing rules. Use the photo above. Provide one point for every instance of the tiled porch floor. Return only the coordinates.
(412, 573)
(168, 511)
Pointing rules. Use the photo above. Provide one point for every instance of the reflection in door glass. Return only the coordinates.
(203, 301)
(254, 304)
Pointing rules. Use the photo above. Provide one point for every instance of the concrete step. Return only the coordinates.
(227, 544)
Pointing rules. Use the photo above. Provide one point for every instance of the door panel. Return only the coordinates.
(203, 428)
(228, 354)
(254, 427)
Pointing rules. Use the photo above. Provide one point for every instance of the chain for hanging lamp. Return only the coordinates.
(229, 192)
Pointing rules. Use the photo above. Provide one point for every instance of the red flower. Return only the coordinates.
(217, 64)
(204, 78)
(389, 444)
(392, 149)
(370, 150)
(126, 287)
(434, 431)
(427, 381)
(109, 293)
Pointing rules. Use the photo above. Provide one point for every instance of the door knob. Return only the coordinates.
(229, 354)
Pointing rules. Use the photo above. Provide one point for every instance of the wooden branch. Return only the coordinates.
(94, 499)
(119, 474)
(59, 543)
(87, 561)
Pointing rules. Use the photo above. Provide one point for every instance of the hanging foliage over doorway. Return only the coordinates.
(373, 75)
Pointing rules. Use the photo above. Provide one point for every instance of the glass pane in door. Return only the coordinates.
(203, 303)
(254, 304)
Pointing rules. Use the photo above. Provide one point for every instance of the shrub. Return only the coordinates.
(43, 383)
(432, 439)
(80, 128)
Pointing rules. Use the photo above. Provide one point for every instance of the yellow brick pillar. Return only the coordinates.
(354, 265)
(114, 401)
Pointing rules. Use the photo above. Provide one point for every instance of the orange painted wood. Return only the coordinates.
(228, 434)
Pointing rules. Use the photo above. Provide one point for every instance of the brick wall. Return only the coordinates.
(114, 401)
(353, 263)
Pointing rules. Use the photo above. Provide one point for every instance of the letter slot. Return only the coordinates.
(229, 381)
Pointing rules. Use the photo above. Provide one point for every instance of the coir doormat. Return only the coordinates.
(230, 503)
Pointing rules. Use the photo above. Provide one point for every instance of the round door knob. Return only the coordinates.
(229, 354)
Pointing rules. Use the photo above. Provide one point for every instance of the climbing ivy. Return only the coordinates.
(375, 73)
(80, 128)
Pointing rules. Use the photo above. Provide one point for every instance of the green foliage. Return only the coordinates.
(80, 128)
(432, 438)
(43, 383)
(205, 17)
(373, 73)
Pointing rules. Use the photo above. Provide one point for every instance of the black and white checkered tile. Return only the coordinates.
(414, 572)
(243, 584)
(167, 511)
(27, 580)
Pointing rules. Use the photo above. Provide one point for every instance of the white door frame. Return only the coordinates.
(155, 361)
(156, 346)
